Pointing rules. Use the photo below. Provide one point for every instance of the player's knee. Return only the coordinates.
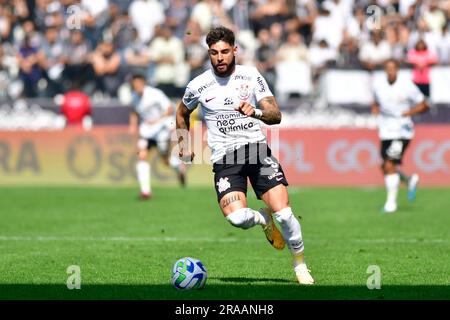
(142, 155)
(388, 166)
(284, 215)
(240, 218)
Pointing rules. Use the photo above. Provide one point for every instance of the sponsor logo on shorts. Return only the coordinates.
(276, 175)
(223, 184)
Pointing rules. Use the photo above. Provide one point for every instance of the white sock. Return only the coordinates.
(143, 175)
(392, 182)
(261, 217)
(246, 218)
(291, 230)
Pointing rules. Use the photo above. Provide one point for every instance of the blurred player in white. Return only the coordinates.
(234, 100)
(396, 100)
(153, 117)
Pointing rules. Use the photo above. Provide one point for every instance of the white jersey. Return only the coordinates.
(228, 129)
(394, 99)
(150, 107)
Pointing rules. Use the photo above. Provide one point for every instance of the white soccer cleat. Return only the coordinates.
(303, 274)
(271, 231)
(412, 186)
(390, 207)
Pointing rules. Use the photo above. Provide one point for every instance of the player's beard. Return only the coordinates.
(228, 71)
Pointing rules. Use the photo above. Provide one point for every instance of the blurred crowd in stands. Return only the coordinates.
(49, 47)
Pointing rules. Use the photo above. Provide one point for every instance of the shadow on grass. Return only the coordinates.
(250, 280)
(224, 291)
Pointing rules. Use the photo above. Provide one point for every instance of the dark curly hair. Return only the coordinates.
(220, 34)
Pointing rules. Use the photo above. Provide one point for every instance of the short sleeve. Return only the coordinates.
(414, 94)
(261, 90)
(190, 98)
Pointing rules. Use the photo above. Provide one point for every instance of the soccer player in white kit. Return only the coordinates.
(235, 99)
(396, 100)
(153, 117)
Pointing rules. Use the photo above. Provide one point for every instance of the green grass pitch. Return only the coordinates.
(125, 248)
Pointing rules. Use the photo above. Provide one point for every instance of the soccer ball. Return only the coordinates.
(188, 273)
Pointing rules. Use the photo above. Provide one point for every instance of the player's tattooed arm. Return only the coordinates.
(270, 111)
(182, 124)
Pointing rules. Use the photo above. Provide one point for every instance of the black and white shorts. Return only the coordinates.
(254, 162)
(394, 149)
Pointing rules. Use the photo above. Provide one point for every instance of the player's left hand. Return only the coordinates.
(246, 109)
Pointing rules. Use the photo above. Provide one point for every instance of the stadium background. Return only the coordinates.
(68, 194)
(318, 56)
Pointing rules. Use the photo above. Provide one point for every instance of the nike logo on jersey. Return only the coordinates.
(208, 100)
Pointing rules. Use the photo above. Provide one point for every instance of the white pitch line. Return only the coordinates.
(208, 239)
(403, 240)
(124, 239)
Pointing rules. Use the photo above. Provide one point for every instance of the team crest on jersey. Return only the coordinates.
(244, 91)
(223, 185)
